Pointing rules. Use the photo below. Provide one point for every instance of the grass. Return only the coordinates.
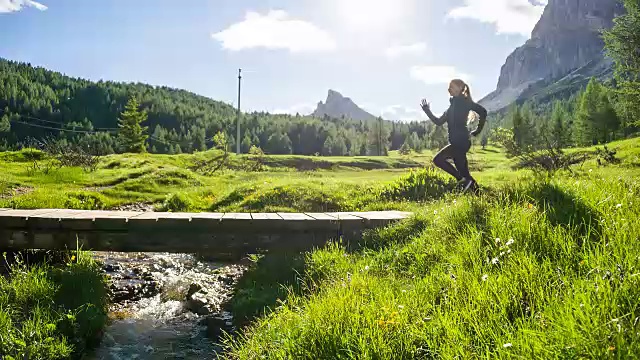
(537, 270)
(534, 267)
(52, 311)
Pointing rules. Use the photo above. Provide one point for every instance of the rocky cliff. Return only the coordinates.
(338, 106)
(565, 40)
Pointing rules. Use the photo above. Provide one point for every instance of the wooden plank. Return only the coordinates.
(379, 215)
(322, 216)
(207, 216)
(53, 220)
(346, 216)
(101, 220)
(295, 217)
(236, 216)
(265, 216)
(18, 218)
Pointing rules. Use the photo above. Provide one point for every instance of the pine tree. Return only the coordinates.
(622, 43)
(5, 124)
(339, 147)
(379, 138)
(559, 130)
(132, 135)
(246, 143)
(596, 119)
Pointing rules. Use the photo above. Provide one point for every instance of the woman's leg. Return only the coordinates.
(440, 160)
(460, 159)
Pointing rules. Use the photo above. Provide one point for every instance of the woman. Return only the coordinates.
(456, 118)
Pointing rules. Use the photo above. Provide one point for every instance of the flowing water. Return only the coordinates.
(165, 306)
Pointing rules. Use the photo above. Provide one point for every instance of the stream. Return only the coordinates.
(165, 306)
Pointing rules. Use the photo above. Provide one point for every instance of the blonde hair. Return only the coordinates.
(466, 92)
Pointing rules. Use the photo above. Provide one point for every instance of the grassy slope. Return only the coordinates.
(331, 184)
(531, 269)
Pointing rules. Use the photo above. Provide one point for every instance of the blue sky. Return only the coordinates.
(384, 54)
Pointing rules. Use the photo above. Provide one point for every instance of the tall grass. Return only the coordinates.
(539, 270)
(52, 312)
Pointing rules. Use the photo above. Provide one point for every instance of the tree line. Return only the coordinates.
(36, 103)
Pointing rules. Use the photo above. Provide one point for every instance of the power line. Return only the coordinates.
(56, 129)
(54, 122)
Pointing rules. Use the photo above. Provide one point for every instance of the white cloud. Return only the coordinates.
(403, 113)
(7, 6)
(432, 75)
(275, 30)
(416, 49)
(508, 16)
(302, 109)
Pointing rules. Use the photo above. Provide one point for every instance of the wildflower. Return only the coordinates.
(485, 277)
(618, 206)
(590, 170)
(530, 206)
(400, 307)
(454, 202)
(611, 348)
(404, 291)
(581, 262)
(510, 242)
(435, 212)
(495, 261)
(497, 240)
(366, 267)
(507, 345)
(73, 258)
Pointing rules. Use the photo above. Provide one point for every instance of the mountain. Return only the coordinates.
(338, 106)
(564, 51)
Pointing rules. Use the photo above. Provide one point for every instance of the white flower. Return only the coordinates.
(590, 170)
(454, 202)
(497, 240)
(510, 242)
(485, 277)
(435, 212)
(507, 345)
(366, 267)
(400, 306)
(495, 261)
(618, 206)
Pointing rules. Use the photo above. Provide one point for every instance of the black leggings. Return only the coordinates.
(459, 155)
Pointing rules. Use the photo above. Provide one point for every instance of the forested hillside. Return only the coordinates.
(36, 103)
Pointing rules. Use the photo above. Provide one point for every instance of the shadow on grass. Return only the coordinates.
(561, 207)
(269, 279)
(566, 209)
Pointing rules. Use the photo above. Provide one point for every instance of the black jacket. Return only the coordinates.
(457, 116)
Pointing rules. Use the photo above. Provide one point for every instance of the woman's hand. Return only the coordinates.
(426, 107)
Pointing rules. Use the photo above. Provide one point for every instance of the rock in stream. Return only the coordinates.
(165, 306)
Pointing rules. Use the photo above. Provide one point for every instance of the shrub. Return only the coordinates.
(418, 185)
(176, 202)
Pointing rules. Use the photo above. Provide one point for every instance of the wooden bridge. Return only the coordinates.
(221, 235)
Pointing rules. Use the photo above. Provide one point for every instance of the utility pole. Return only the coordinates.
(238, 140)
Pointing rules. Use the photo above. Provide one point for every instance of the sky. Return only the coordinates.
(386, 55)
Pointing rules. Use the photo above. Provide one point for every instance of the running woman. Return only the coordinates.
(456, 117)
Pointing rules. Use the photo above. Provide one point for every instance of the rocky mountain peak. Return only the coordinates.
(567, 37)
(337, 106)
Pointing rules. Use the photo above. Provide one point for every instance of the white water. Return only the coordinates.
(157, 329)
